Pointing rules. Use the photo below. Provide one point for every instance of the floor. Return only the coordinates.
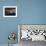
(7, 45)
(28, 43)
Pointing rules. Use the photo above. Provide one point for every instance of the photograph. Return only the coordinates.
(9, 11)
(30, 33)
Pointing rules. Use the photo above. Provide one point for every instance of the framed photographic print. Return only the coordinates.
(33, 32)
(9, 11)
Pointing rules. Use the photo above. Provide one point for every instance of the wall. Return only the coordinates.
(29, 12)
(7, 25)
(32, 11)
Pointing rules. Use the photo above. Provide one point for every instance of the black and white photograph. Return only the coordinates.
(29, 34)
